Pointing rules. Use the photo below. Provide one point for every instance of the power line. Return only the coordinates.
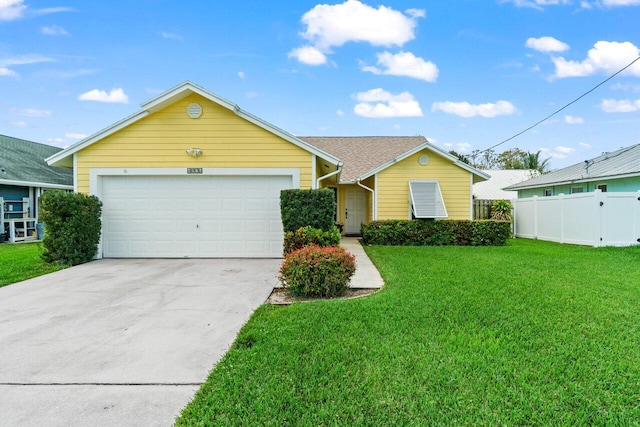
(564, 107)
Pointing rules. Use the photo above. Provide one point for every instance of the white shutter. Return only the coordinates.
(426, 199)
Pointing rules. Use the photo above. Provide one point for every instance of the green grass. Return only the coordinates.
(21, 262)
(534, 333)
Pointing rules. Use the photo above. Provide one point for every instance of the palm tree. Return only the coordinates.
(532, 161)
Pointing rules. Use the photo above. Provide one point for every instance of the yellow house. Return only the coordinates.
(193, 175)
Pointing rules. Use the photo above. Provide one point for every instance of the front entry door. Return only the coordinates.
(355, 210)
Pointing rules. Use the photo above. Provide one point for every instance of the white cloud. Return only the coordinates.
(564, 150)
(241, 74)
(308, 55)
(340, 113)
(72, 135)
(620, 105)
(465, 109)
(171, 36)
(50, 10)
(604, 57)
(20, 124)
(329, 26)
(11, 9)
(404, 64)
(584, 144)
(30, 112)
(626, 87)
(54, 30)
(537, 4)
(7, 72)
(573, 120)
(378, 103)
(615, 3)
(56, 140)
(116, 96)
(546, 44)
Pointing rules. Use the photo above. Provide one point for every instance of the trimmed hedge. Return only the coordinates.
(305, 236)
(436, 233)
(315, 271)
(301, 208)
(72, 223)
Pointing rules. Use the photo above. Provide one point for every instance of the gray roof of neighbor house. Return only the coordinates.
(363, 156)
(616, 164)
(22, 163)
(492, 189)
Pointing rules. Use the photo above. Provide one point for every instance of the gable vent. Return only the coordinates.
(194, 110)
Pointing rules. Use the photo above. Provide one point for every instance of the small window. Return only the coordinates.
(426, 200)
(548, 192)
(575, 190)
(602, 187)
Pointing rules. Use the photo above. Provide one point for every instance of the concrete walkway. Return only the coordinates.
(367, 275)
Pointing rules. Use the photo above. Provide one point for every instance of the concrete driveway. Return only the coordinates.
(121, 342)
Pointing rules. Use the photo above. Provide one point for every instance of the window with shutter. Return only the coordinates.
(426, 200)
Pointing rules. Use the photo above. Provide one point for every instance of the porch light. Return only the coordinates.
(194, 152)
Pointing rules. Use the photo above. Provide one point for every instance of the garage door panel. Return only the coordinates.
(204, 216)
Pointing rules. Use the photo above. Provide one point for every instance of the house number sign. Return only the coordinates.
(194, 170)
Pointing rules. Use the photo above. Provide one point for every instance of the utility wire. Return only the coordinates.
(564, 107)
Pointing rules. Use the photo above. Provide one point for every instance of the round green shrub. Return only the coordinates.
(315, 271)
(305, 236)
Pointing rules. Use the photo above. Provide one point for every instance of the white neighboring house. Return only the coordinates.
(492, 189)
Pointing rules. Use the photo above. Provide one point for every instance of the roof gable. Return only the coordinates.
(22, 162)
(64, 158)
(617, 164)
(492, 189)
(367, 155)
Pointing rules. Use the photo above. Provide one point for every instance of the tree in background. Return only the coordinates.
(512, 158)
(460, 157)
(532, 161)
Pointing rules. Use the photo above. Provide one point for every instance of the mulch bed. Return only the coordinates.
(280, 296)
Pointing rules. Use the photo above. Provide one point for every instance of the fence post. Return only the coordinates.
(535, 217)
(600, 239)
(561, 203)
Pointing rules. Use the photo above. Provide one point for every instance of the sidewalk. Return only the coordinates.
(367, 275)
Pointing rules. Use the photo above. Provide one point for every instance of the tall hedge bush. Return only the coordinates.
(436, 233)
(301, 208)
(305, 236)
(72, 224)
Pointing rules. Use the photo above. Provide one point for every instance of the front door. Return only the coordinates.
(355, 210)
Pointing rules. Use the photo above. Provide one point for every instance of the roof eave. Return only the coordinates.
(173, 95)
(516, 187)
(18, 183)
(432, 148)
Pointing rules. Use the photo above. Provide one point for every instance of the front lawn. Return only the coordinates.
(21, 262)
(533, 333)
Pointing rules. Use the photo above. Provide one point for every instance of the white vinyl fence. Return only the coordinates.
(594, 219)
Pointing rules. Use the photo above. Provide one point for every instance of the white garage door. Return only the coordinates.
(189, 216)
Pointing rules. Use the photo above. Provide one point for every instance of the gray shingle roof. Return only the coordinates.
(623, 162)
(363, 154)
(23, 161)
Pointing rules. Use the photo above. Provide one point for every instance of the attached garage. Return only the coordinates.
(204, 216)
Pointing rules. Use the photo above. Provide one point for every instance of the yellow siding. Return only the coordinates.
(160, 141)
(393, 186)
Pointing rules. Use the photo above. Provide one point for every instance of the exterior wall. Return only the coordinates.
(160, 141)
(393, 186)
(613, 185)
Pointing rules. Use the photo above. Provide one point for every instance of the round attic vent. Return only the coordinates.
(194, 110)
(423, 160)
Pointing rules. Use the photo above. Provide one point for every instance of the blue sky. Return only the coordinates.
(466, 74)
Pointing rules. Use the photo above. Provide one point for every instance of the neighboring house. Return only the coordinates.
(24, 176)
(493, 188)
(617, 171)
(193, 175)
